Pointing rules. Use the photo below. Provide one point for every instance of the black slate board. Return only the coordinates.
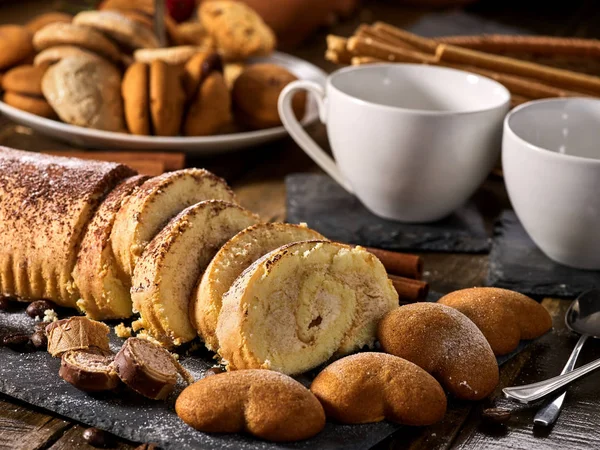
(326, 207)
(33, 378)
(517, 263)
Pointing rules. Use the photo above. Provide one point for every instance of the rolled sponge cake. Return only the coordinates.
(157, 201)
(230, 261)
(167, 272)
(46, 203)
(103, 288)
(301, 304)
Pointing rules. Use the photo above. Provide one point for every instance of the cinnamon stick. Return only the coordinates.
(518, 85)
(541, 45)
(362, 60)
(168, 160)
(337, 50)
(450, 53)
(400, 264)
(409, 290)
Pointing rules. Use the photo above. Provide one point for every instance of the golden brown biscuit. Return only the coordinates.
(16, 45)
(211, 108)
(504, 317)
(55, 54)
(58, 33)
(232, 71)
(445, 343)
(39, 22)
(122, 29)
(191, 33)
(170, 55)
(31, 104)
(370, 387)
(85, 92)
(26, 80)
(239, 32)
(167, 98)
(198, 68)
(138, 16)
(136, 98)
(256, 92)
(266, 404)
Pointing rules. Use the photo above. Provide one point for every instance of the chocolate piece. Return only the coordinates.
(39, 340)
(76, 333)
(18, 342)
(98, 438)
(88, 371)
(37, 308)
(146, 368)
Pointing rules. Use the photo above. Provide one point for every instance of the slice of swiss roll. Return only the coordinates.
(230, 261)
(169, 268)
(301, 304)
(103, 288)
(158, 200)
(46, 203)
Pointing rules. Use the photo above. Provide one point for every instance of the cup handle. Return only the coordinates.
(288, 118)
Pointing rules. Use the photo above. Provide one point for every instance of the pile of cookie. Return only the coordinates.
(105, 69)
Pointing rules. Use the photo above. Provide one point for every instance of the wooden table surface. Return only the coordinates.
(257, 177)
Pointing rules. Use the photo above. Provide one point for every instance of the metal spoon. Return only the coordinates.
(579, 319)
(159, 22)
(583, 317)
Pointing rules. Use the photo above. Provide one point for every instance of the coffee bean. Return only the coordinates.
(212, 371)
(147, 447)
(39, 340)
(496, 415)
(37, 308)
(98, 438)
(18, 342)
(4, 303)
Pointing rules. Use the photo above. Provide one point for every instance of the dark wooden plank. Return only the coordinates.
(22, 428)
(73, 440)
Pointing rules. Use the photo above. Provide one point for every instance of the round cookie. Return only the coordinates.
(39, 22)
(58, 33)
(136, 98)
(171, 55)
(85, 92)
(239, 32)
(167, 98)
(25, 80)
(210, 109)
(256, 92)
(16, 45)
(55, 54)
(190, 33)
(34, 105)
(266, 404)
(370, 387)
(445, 343)
(122, 29)
(503, 316)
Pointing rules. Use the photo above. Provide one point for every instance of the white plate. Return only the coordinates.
(205, 145)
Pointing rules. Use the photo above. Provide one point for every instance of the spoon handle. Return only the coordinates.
(548, 414)
(532, 392)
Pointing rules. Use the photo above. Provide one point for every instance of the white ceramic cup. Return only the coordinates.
(412, 142)
(551, 164)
